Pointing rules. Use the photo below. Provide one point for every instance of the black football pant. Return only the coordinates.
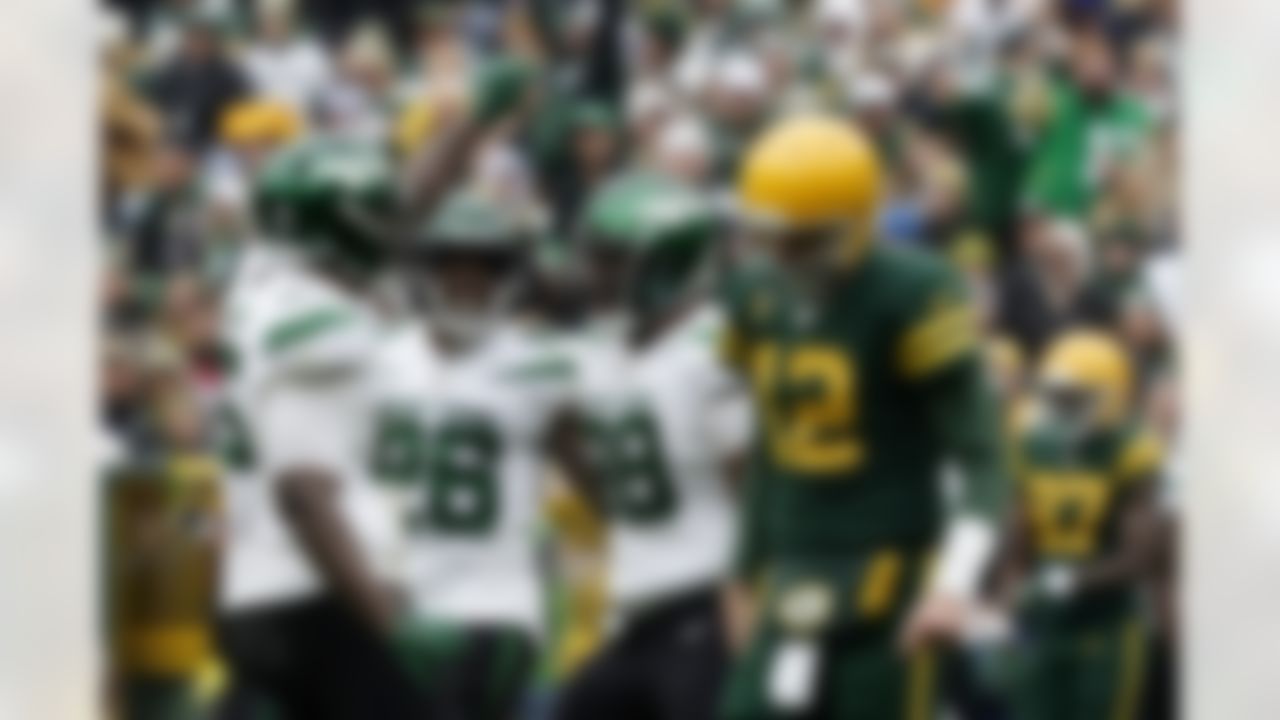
(473, 672)
(668, 663)
(312, 660)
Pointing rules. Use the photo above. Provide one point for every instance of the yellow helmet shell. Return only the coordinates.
(1095, 361)
(808, 171)
(260, 122)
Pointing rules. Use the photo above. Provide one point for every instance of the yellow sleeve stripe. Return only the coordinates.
(1140, 457)
(921, 686)
(193, 468)
(175, 647)
(1133, 662)
(942, 337)
(879, 585)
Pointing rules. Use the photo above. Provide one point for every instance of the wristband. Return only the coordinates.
(966, 550)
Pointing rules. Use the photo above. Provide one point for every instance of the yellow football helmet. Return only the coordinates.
(260, 122)
(810, 176)
(1094, 369)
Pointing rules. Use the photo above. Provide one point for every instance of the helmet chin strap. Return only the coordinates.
(1078, 424)
(852, 246)
(392, 297)
(613, 322)
(462, 330)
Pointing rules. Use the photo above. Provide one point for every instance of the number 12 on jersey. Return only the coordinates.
(808, 394)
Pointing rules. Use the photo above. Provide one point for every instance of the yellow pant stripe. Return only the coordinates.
(170, 649)
(1132, 668)
(920, 686)
(879, 585)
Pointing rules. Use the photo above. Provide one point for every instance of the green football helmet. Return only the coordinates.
(649, 243)
(335, 200)
(472, 260)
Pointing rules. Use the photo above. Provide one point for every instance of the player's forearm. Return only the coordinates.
(500, 89)
(1120, 569)
(733, 470)
(1133, 558)
(738, 608)
(567, 444)
(1013, 559)
(436, 167)
(968, 425)
(308, 501)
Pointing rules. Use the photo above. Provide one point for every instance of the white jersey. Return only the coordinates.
(297, 394)
(463, 442)
(665, 418)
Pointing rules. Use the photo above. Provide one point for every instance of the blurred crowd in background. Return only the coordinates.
(1034, 143)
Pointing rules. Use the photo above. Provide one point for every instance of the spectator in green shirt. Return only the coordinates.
(1092, 124)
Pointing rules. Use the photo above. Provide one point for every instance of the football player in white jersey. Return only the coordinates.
(472, 401)
(306, 607)
(668, 426)
(311, 621)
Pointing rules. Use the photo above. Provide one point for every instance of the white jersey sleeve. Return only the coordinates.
(315, 386)
(305, 421)
(282, 321)
(730, 418)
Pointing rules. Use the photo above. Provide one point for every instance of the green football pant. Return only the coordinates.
(1086, 674)
(161, 698)
(861, 678)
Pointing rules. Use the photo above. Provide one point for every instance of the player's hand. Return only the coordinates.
(988, 626)
(411, 641)
(503, 85)
(937, 619)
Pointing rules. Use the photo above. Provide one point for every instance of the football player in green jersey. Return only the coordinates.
(1082, 537)
(854, 569)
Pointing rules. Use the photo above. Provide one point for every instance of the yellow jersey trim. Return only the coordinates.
(943, 336)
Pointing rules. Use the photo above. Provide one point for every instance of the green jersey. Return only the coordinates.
(1074, 494)
(849, 451)
(862, 394)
